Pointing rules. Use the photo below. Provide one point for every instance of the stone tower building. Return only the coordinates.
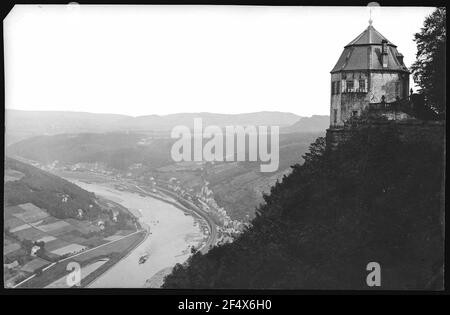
(370, 71)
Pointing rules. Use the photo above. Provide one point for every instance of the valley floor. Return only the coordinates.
(171, 231)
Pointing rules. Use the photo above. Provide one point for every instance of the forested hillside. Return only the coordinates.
(236, 186)
(117, 150)
(59, 197)
(375, 198)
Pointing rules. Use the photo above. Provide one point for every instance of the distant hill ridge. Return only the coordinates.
(167, 122)
(25, 124)
(315, 123)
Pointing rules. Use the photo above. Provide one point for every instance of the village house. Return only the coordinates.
(115, 213)
(12, 265)
(101, 224)
(34, 250)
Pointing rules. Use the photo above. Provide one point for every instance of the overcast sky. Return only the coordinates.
(141, 60)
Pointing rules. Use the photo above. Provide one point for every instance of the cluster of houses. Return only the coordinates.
(205, 197)
(230, 227)
(92, 167)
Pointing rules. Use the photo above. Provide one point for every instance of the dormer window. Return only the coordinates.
(384, 46)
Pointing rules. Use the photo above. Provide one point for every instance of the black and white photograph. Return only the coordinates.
(224, 147)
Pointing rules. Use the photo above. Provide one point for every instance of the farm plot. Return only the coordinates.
(19, 227)
(61, 231)
(119, 234)
(13, 175)
(31, 213)
(55, 244)
(30, 233)
(9, 248)
(124, 232)
(69, 249)
(13, 209)
(113, 237)
(34, 265)
(113, 252)
(62, 238)
(48, 220)
(83, 226)
(94, 241)
(52, 227)
(73, 237)
(46, 239)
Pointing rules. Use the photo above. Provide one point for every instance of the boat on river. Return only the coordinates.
(143, 259)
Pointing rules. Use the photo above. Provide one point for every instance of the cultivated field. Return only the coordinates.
(61, 238)
(93, 263)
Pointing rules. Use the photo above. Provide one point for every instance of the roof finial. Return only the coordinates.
(371, 5)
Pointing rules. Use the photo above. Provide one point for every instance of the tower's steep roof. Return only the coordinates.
(370, 36)
(364, 53)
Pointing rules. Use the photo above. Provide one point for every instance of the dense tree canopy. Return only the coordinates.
(375, 198)
(59, 197)
(429, 69)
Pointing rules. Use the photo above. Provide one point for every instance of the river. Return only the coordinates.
(172, 232)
